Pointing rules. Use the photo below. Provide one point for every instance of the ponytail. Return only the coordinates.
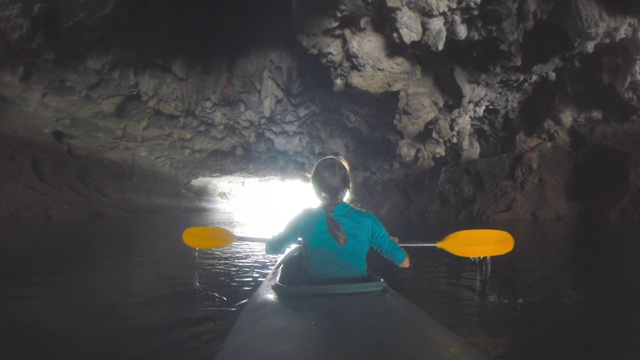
(330, 179)
(335, 228)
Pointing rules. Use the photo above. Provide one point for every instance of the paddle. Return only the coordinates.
(466, 243)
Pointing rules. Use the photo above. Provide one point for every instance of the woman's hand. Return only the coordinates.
(406, 263)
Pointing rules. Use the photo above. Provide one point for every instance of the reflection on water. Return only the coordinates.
(228, 276)
(129, 288)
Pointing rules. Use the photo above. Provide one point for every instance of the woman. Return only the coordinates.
(336, 237)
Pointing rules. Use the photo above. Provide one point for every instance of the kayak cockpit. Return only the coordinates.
(290, 281)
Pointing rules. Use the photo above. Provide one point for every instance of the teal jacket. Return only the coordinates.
(323, 256)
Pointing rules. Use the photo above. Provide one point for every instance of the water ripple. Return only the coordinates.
(224, 276)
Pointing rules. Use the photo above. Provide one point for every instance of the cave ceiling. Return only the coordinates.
(471, 108)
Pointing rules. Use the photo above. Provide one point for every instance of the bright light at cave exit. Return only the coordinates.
(260, 207)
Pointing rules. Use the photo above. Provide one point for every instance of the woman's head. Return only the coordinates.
(330, 179)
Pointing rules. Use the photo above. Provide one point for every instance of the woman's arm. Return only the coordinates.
(406, 263)
(386, 245)
(279, 243)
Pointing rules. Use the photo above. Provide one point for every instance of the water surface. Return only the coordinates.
(129, 288)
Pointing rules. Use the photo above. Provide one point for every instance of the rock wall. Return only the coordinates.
(467, 108)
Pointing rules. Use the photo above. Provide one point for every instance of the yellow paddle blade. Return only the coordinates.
(208, 237)
(477, 243)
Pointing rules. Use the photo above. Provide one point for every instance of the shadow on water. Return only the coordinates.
(129, 288)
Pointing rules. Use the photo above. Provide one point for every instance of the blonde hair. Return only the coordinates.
(331, 180)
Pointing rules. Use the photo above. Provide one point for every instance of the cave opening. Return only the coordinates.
(260, 206)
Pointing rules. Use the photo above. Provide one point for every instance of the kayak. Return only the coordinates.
(290, 318)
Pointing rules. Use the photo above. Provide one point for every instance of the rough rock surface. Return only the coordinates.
(474, 108)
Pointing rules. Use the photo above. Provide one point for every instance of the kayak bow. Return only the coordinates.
(288, 318)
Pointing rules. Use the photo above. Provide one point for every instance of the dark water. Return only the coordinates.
(569, 290)
(127, 288)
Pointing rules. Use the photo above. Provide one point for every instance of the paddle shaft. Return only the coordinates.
(264, 240)
(252, 239)
(416, 245)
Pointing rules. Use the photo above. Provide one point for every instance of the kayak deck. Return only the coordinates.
(376, 323)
